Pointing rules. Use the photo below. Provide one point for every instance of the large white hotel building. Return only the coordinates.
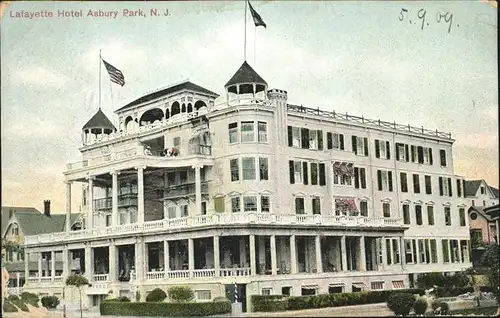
(273, 197)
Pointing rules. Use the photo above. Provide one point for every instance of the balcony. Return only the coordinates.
(124, 200)
(219, 220)
(182, 190)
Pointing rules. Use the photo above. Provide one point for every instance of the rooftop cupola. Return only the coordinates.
(246, 84)
(97, 127)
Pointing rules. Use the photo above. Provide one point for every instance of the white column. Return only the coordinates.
(139, 259)
(498, 231)
(114, 199)
(293, 255)
(26, 266)
(197, 175)
(89, 271)
(391, 248)
(449, 251)
(166, 257)
(272, 243)
(112, 261)
(140, 195)
(216, 256)
(65, 260)
(39, 266)
(68, 206)
(253, 264)
(402, 253)
(417, 251)
(18, 276)
(384, 252)
(242, 250)
(344, 252)
(319, 259)
(52, 265)
(90, 204)
(362, 254)
(190, 256)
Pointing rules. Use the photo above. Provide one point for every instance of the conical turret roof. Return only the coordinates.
(246, 74)
(99, 120)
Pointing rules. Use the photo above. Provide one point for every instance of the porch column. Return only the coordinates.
(197, 176)
(88, 263)
(272, 243)
(402, 253)
(344, 253)
(319, 259)
(139, 259)
(449, 251)
(166, 257)
(362, 254)
(383, 246)
(26, 266)
(140, 195)
(417, 250)
(293, 254)
(216, 256)
(40, 266)
(114, 199)
(253, 264)
(65, 260)
(67, 223)
(112, 261)
(190, 256)
(52, 265)
(90, 204)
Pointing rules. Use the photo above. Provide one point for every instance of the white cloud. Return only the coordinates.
(40, 76)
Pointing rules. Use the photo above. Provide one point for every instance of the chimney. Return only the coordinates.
(46, 207)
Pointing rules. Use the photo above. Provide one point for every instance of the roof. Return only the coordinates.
(492, 211)
(489, 213)
(471, 187)
(495, 191)
(34, 224)
(245, 74)
(187, 85)
(99, 120)
(15, 210)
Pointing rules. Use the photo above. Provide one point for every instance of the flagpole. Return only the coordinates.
(100, 78)
(245, 44)
(255, 46)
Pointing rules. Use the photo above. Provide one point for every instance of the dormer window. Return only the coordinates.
(483, 190)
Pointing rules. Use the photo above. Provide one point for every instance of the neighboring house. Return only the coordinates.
(479, 193)
(484, 228)
(23, 222)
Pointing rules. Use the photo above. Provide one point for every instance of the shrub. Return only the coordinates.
(180, 293)
(156, 295)
(120, 299)
(220, 298)
(420, 306)
(50, 302)
(268, 303)
(18, 302)
(440, 308)
(401, 303)
(13, 298)
(164, 309)
(9, 307)
(30, 298)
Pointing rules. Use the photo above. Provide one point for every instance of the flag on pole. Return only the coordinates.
(115, 74)
(257, 19)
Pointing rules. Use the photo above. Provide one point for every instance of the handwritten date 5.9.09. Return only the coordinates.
(423, 19)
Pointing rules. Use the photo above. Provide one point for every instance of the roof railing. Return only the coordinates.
(366, 121)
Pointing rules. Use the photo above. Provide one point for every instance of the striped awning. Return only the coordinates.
(336, 284)
(398, 284)
(359, 285)
(309, 286)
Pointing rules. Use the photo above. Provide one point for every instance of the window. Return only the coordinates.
(430, 214)
(418, 214)
(250, 203)
(395, 251)
(219, 205)
(459, 188)
(360, 146)
(184, 210)
(461, 212)
(203, 207)
(483, 190)
(297, 166)
(248, 167)
(386, 208)
(313, 139)
(341, 179)
(382, 149)
(203, 294)
(484, 203)
(384, 180)
(377, 285)
(359, 178)
(262, 129)
(235, 170)
(427, 152)
(408, 252)
(314, 173)
(264, 168)
(416, 183)
(433, 248)
(421, 250)
(296, 137)
(476, 236)
(335, 141)
(445, 187)
(108, 220)
(402, 152)
(183, 176)
(428, 185)
(388, 251)
(316, 205)
(172, 212)
(446, 250)
(404, 182)
(322, 174)
(406, 214)
(299, 206)
(267, 291)
(247, 131)
(442, 156)
(177, 142)
(233, 133)
(235, 204)
(447, 216)
(265, 203)
(473, 203)
(363, 208)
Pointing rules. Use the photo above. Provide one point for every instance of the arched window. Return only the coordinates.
(175, 109)
(151, 116)
(199, 104)
(183, 108)
(167, 113)
(190, 108)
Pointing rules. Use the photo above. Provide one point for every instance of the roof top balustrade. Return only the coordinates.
(219, 220)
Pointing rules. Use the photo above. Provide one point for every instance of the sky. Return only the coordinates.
(365, 58)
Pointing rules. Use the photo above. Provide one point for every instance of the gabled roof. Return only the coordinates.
(245, 74)
(15, 210)
(494, 191)
(489, 213)
(471, 187)
(34, 224)
(99, 120)
(187, 85)
(493, 211)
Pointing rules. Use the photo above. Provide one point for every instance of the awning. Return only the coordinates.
(347, 206)
(336, 285)
(309, 286)
(359, 285)
(343, 168)
(398, 284)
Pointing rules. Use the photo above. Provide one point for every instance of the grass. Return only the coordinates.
(477, 311)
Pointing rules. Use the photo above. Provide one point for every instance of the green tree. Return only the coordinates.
(490, 259)
(78, 281)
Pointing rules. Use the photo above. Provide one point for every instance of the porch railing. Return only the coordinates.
(155, 275)
(101, 277)
(204, 272)
(244, 271)
(178, 274)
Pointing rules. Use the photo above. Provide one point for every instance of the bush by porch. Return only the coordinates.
(163, 309)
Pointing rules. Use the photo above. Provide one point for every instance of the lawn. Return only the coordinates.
(490, 311)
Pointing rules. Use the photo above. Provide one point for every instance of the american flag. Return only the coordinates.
(115, 74)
